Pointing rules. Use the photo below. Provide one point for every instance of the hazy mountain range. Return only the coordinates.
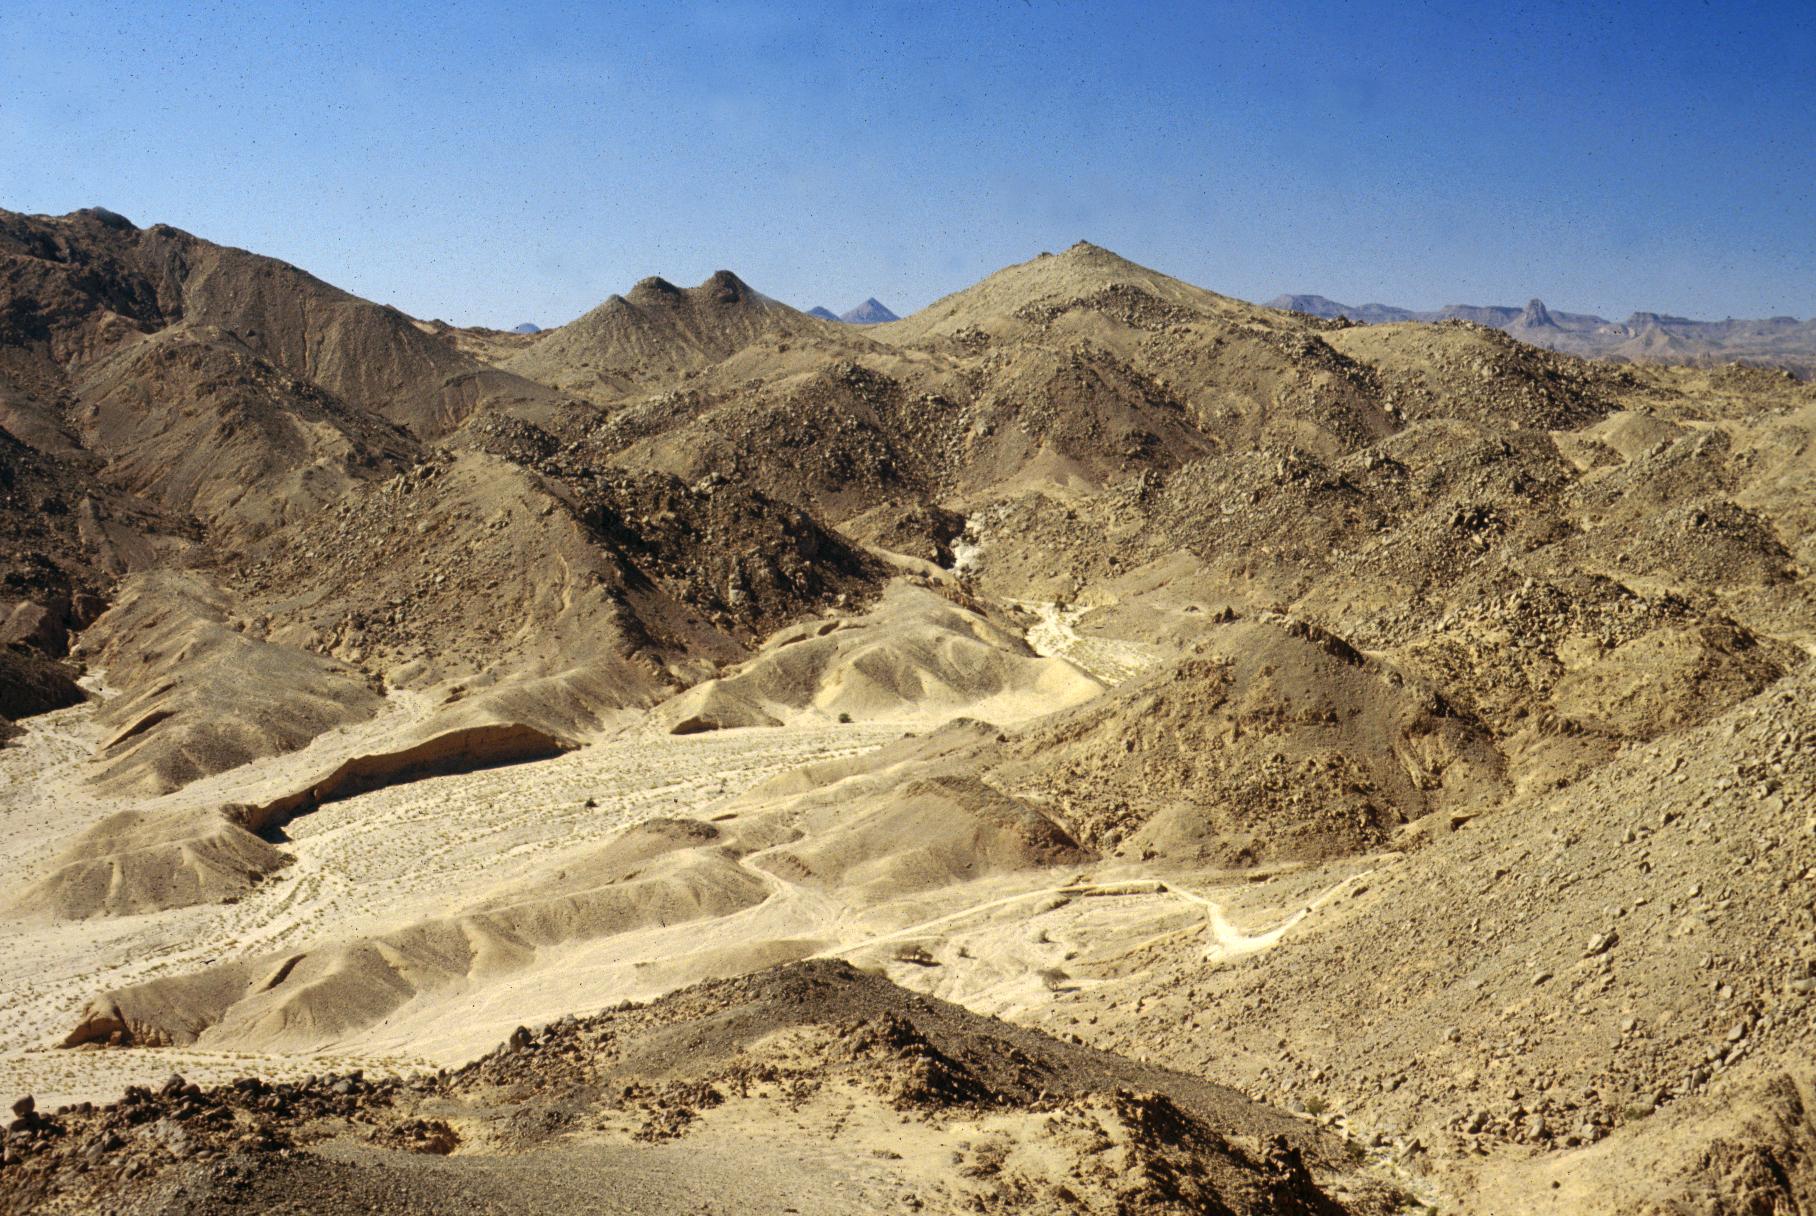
(1776, 341)
(871, 312)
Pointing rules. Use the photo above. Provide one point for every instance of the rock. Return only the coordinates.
(102, 1147)
(172, 1138)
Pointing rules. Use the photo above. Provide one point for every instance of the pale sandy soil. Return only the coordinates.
(1111, 660)
(369, 863)
(1020, 945)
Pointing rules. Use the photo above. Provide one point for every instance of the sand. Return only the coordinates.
(364, 864)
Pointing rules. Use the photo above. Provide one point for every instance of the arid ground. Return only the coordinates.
(1092, 745)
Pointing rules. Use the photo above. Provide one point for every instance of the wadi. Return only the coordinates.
(1089, 745)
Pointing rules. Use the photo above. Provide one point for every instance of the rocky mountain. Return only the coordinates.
(526, 328)
(1323, 306)
(870, 312)
(658, 333)
(1094, 744)
(1771, 342)
(84, 284)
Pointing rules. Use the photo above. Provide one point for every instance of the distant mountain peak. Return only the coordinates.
(871, 312)
(1324, 306)
(1652, 336)
(528, 327)
(1537, 316)
(1315, 305)
(822, 312)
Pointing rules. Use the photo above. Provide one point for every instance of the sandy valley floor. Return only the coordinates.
(367, 863)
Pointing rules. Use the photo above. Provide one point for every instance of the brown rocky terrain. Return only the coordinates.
(84, 285)
(892, 1100)
(32, 684)
(1402, 725)
(659, 335)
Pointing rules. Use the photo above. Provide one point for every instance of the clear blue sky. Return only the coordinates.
(497, 163)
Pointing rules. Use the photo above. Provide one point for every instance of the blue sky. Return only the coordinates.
(496, 163)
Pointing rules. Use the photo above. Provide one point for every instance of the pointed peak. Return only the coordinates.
(724, 287)
(823, 313)
(1536, 314)
(871, 312)
(653, 288)
(1094, 258)
(1085, 251)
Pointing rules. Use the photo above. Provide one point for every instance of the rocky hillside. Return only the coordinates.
(786, 1088)
(658, 333)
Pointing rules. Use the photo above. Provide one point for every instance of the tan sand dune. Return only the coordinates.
(314, 997)
(916, 656)
(197, 696)
(926, 833)
(899, 826)
(146, 861)
(172, 857)
(368, 865)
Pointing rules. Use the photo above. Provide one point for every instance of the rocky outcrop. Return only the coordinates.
(456, 751)
(31, 684)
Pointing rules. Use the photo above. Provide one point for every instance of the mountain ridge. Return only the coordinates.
(1771, 341)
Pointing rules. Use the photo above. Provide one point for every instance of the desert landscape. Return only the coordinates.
(1091, 745)
(737, 608)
